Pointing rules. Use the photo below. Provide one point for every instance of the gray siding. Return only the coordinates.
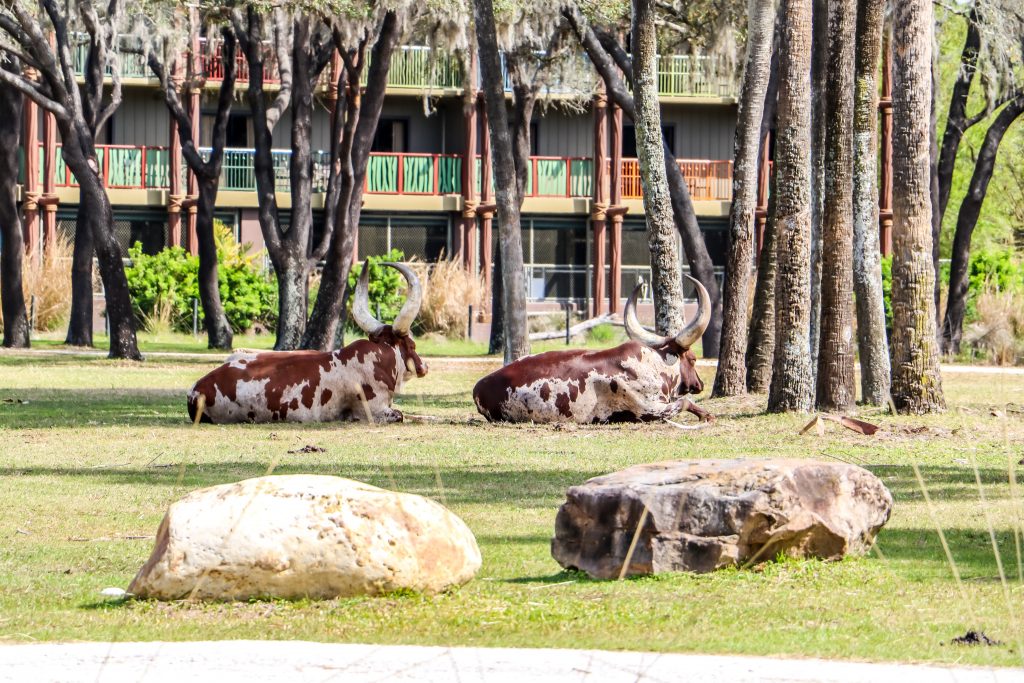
(142, 119)
(702, 131)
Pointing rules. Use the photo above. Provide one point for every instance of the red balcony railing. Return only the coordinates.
(213, 64)
(706, 180)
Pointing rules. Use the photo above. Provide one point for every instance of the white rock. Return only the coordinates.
(305, 536)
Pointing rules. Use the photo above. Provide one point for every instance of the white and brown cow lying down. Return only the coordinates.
(357, 382)
(642, 380)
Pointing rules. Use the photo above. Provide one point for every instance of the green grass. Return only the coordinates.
(92, 452)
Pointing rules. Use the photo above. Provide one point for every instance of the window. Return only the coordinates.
(629, 140)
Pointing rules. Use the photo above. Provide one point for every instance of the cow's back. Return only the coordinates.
(261, 386)
(548, 386)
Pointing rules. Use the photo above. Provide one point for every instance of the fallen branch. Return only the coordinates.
(576, 329)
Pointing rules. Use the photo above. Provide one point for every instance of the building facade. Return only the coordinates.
(427, 189)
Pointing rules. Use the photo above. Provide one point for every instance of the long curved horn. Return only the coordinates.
(634, 329)
(689, 335)
(361, 306)
(411, 307)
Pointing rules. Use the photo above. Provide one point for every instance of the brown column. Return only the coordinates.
(465, 246)
(196, 68)
(615, 246)
(486, 199)
(49, 179)
(30, 190)
(175, 196)
(599, 210)
(763, 177)
(885, 183)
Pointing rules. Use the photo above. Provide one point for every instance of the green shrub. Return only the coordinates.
(163, 285)
(887, 292)
(386, 289)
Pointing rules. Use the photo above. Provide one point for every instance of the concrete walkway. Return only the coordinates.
(227, 661)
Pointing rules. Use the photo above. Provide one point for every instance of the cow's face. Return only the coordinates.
(404, 347)
(689, 380)
(413, 362)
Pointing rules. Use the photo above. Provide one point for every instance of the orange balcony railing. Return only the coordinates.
(706, 179)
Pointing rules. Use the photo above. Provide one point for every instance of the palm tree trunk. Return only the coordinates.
(819, 120)
(12, 297)
(666, 271)
(730, 378)
(836, 389)
(867, 265)
(791, 387)
(916, 383)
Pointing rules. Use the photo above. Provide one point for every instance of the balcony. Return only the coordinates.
(128, 167)
(418, 68)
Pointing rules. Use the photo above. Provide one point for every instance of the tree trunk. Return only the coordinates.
(12, 297)
(836, 388)
(730, 378)
(916, 383)
(697, 257)
(967, 219)
(933, 189)
(517, 341)
(791, 387)
(761, 340)
(867, 265)
(80, 318)
(99, 216)
(957, 121)
(819, 123)
(218, 330)
(666, 272)
(496, 342)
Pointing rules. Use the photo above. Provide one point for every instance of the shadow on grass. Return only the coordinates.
(918, 552)
(944, 483)
(518, 488)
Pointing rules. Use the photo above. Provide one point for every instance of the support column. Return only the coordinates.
(175, 195)
(49, 179)
(763, 177)
(465, 245)
(615, 246)
(599, 210)
(885, 182)
(486, 201)
(30, 190)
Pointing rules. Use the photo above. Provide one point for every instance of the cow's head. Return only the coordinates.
(396, 334)
(677, 345)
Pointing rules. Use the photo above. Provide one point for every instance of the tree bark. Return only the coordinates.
(356, 119)
(517, 341)
(957, 121)
(867, 264)
(12, 296)
(836, 388)
(666, 272)
(761, 341)
(967, 219)
(80, 317)
(819, 122)
(697, 257)
(218, 330)
(916, 383)
(730, 378)
(791, 387)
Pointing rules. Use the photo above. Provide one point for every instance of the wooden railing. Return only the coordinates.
(143, 167)
(706, 180)
(122, 167)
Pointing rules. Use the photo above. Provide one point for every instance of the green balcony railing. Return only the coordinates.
(419, 67)
(121, 167)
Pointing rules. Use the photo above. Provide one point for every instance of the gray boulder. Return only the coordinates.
(709, 514)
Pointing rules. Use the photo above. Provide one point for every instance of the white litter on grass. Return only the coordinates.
(114, 593)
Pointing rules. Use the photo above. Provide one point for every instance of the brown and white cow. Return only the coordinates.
(357, 382)
(645, 379)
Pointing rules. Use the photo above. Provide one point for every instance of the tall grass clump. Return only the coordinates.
(46, 279)
(449, 291)
(997, 332)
